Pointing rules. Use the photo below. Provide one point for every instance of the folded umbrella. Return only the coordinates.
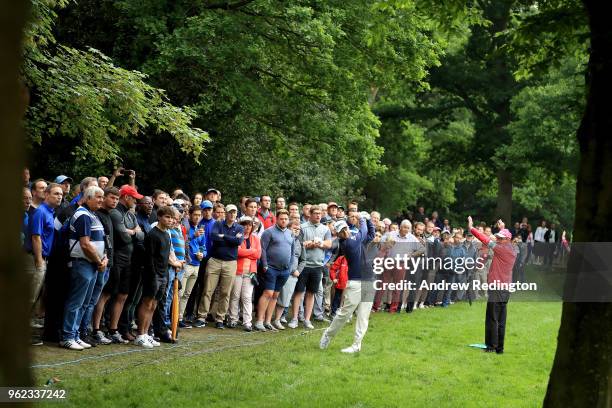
(175, 308)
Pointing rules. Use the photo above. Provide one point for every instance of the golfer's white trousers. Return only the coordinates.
(351, 302)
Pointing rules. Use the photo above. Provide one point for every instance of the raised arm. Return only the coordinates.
(479, 236)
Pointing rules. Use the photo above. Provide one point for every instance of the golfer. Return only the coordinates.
(359, 294)
(499, 272)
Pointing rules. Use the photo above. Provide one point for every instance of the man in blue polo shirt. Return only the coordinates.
(39, 239)
(227, 235)
(88, 258)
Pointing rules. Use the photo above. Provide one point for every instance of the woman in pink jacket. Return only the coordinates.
(242, 290)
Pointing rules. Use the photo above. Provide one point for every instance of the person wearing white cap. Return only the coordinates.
(499, 272)
(358, 294)
(249, 253)
(226, 236)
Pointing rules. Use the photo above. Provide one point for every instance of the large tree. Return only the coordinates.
(582, 372)
(14, 284)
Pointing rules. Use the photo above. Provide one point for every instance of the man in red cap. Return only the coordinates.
(499, 272)
(126, 233)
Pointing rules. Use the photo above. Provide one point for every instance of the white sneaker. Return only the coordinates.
(325, 339)
(152, 341)
(83, 344)
(283, 320)
(422, 306)
(117, 338)
(293, 324)
(143, 341)
(70, 345)
(259, 326)
(351, 350)
(101, 338)
(308, 325)
(270, 327)
(278, 325)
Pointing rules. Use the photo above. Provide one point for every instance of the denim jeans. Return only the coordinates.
(101, 279)
(462, 278)
(169, 294)
(83, 275)
(452, 278)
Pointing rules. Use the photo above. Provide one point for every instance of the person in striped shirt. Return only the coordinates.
(176, 269)
(88, 258)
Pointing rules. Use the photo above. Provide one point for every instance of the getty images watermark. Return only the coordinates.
(412, 265)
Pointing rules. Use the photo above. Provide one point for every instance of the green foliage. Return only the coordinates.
(397, 103)
(283, 88)
(82, 95)
(545, 33)
(544, 144)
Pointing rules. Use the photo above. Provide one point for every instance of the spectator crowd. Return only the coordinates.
(111, 265)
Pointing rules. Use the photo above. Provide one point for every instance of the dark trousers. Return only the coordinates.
(129, 308)
(549, 254)
(196, 292)
(495, 322)
(336, 301)
(57, 284)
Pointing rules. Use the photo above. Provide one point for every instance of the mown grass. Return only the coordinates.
(421, 359)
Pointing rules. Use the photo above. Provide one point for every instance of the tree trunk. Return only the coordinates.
(582, 371)
(14, 284)
(504, 196)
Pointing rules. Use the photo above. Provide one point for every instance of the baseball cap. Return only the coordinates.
(504, 234)
(340, 207)
(436, 229)
(364, 215)
(245, 219)
(206, 204)
(61, 178)
(212, 190)
(332, 204)
(327, 219)
(231, 207)
(178, 207)
(130, 191)
(340, 225)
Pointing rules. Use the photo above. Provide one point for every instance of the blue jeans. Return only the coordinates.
(83, 276)
(169, 293)
(452, 278)
(101, 279)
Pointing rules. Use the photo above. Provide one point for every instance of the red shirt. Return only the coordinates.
(268, 221)
(247, 257)
(339, 270)
(503, 259)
